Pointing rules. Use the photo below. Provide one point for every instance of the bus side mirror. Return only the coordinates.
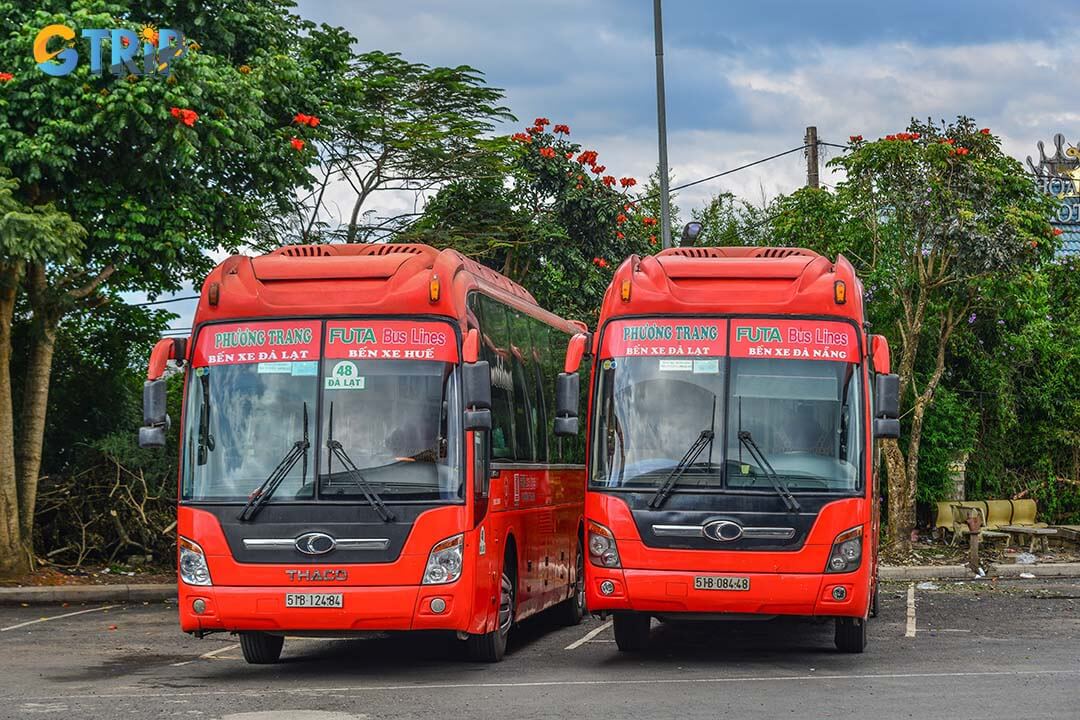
(887, 397)
(575, 351)
(155, 417)
(476, 388)
(879, 351)
(886, 428)
(567, 389)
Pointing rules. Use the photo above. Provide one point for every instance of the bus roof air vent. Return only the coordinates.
(305, 251)
(780, 252)
(392, 249)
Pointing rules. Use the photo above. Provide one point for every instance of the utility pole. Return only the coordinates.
(661, 127)
(811, 143)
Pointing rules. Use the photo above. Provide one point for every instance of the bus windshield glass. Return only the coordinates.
(386, 391)
(780, 396)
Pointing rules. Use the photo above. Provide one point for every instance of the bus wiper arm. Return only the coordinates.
(353, 472)
(269, 486)
(703, 440)
(747, 441)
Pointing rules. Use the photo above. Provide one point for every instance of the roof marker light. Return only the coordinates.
(840, 292)
(625, 291)
(433, 288)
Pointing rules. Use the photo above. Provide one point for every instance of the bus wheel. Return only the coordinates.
(260, 648)
(572, 610)
(631, 631)
(850, 634)
(490, 647)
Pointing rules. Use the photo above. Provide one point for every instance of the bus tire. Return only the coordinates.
(572, 610)
(260, 648)
(631, 631)
(850, 634)
(491, 646)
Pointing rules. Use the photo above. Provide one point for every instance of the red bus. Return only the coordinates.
(736, 398)
(367, 444)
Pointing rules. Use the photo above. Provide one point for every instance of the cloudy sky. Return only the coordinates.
(744, 79)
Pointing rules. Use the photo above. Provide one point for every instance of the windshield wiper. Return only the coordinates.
(336, 450)
(270, 485)
(747, 441)
(206, 440)
(662, 493)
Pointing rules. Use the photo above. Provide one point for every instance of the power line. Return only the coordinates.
(165, 302)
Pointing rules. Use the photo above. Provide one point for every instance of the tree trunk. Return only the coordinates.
(901, 495)
(35, 401)
(14, 559)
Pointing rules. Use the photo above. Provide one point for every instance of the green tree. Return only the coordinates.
(395, 125)
(932, 218)
(553, 219)
(130, 180)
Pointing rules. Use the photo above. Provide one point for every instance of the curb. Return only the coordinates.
(961, 572)
(87, 593)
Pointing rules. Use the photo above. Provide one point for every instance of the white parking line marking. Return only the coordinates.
(207, 655)
(307, 691)
(910, 632)
(57, 617)
(588, 636)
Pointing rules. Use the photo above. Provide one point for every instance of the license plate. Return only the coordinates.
(721, 582)
(314, 600)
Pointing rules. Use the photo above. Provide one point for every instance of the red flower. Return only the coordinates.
(599, 169)
(890, 137)
(587, 158)
(916, 136)
(620, 219)
(297, 144)
(608, 180)
(599, 262)
(547, 152)
(185, 116)
(561, 129)
(6, 77)
(652, 239)
(175, 112)
(962, 151)
(300, 119)
(1058, 231)
(985, 131)
(569, 156)
(579, 186)
(855, 138)
(949, 141)
(540, 122)
(627, 182)
(648, 220)
(521, 137)
(619, 235)
(534, 130)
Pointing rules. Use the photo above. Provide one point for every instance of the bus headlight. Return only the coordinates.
(846, 551)
(192, 563)
(602, 549)
(444, 562)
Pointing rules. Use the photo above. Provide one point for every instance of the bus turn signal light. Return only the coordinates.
(602, 549)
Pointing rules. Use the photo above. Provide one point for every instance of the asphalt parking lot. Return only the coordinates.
(969, 650)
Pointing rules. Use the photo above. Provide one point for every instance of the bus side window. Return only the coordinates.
(495, 348)
(543, 389)
(521, 352)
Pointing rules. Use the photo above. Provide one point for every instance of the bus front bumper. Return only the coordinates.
(661, 592)
(364, 608)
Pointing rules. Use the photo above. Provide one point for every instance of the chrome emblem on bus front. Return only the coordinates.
(722, 531)
(315, 543)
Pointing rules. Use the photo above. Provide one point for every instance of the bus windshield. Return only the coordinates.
(729, 421)
(397, 421)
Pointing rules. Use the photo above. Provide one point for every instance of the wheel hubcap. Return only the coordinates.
(506, 604)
